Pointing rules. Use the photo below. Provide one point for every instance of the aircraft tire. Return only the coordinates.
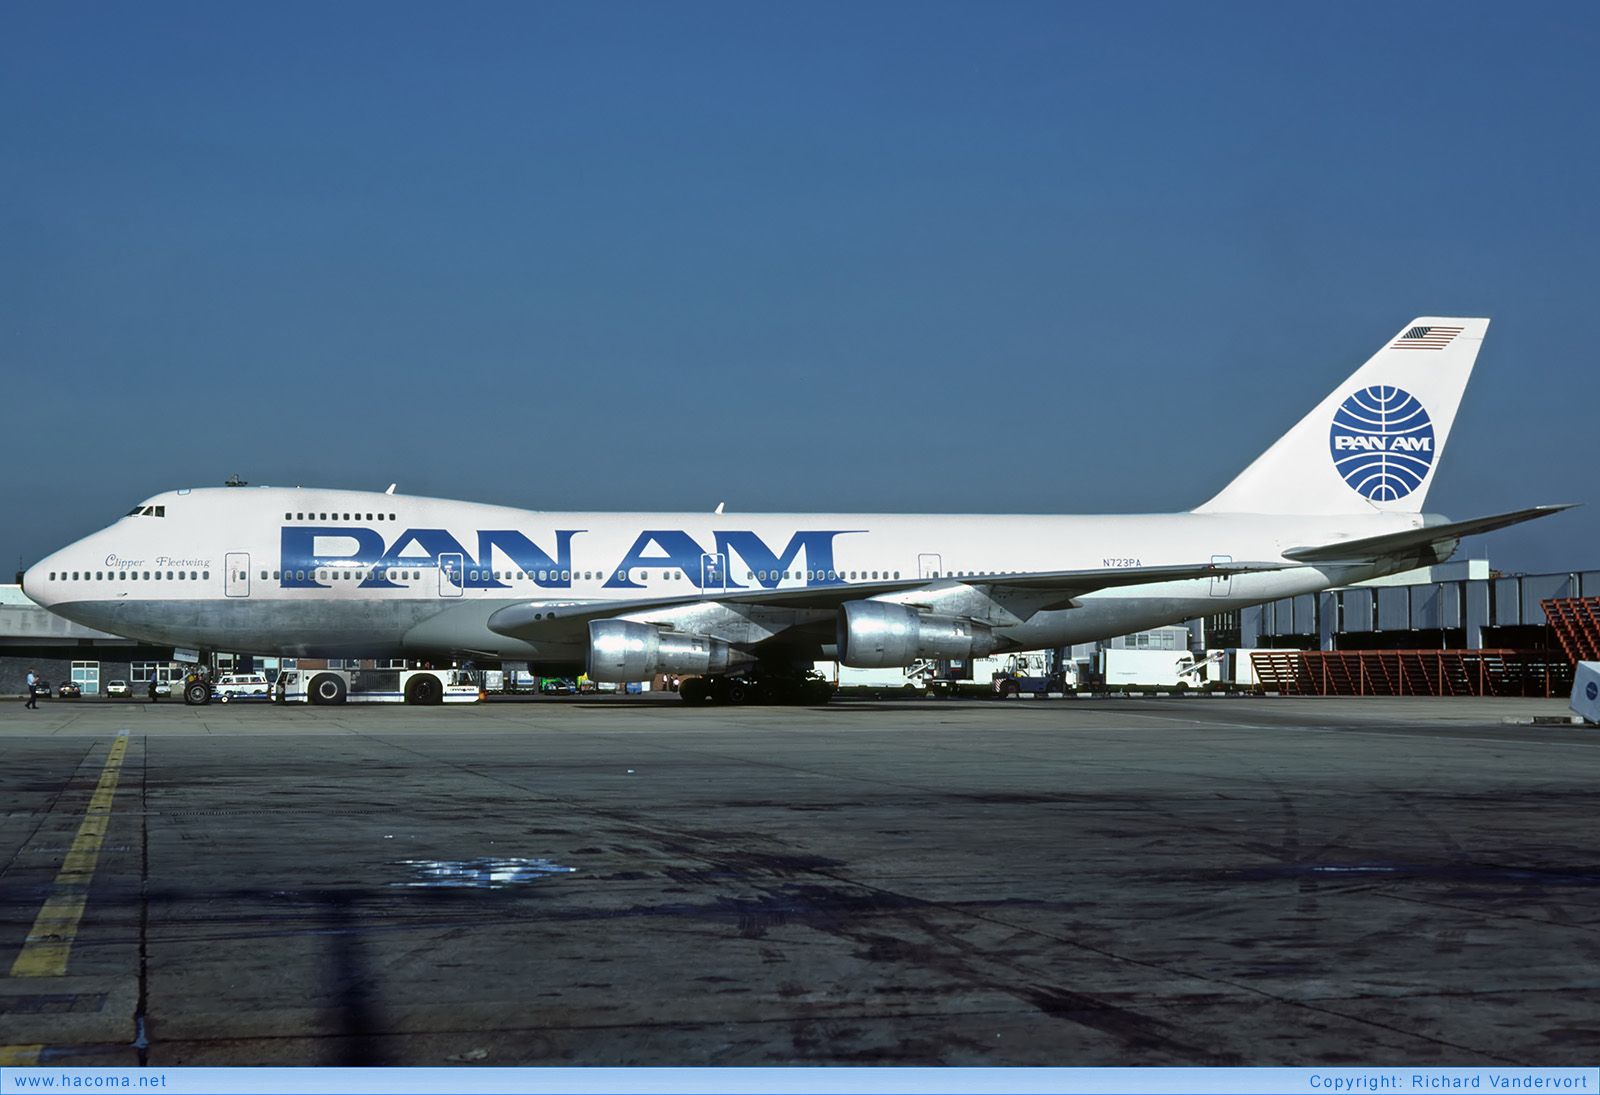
(327, 689)
(424, 691)
(729, 691)
(197, 693)
(693, 691)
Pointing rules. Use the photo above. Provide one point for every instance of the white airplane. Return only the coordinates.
(747, 602)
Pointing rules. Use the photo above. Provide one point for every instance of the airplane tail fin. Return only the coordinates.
(1372, 445)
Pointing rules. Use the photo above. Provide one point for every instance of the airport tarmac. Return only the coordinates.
(619, 881)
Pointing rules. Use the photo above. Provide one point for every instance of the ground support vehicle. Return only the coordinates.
(414, 686)
(757, 686)
(239, 686)
(1036, 674)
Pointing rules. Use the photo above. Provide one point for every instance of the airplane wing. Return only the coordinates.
(1414, 542)
(552, 620)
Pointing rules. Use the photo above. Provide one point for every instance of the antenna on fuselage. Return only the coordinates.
(718, 510)
(391, 488)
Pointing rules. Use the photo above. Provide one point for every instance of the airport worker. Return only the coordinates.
(153, 688)
(33, 690)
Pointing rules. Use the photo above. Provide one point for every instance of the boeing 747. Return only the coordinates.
(746, 603)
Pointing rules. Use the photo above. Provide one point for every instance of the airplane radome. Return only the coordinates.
(747, 602)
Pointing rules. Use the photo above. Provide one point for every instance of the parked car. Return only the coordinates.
(118, 690)
(66, 690)
(44, 688)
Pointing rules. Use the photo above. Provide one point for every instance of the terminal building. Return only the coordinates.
(1459, 606)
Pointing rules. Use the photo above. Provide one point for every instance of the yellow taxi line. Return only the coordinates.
(56, 927)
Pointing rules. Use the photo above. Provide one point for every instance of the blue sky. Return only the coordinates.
(1056, 257)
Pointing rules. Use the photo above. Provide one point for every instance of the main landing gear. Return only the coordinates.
(758, 685)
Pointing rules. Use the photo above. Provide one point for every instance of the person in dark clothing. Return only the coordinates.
(33, 690)
(153, 688)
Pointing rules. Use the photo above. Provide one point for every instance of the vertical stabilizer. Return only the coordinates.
(1373, 444)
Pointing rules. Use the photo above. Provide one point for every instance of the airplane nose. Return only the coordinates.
(29, 580)
(33, 583)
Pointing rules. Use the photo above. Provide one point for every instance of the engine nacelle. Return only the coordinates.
(879, 635)
(621, 650)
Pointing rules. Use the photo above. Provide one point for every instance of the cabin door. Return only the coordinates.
(1222, 584)
(237, 583)
(713, 574)
(451, 574)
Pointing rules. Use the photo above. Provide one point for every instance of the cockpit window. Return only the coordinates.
(148, 511)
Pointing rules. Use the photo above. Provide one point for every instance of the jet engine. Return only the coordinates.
(620, 650)
(879, 635)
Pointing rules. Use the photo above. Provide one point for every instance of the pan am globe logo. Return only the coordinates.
(1382, 443)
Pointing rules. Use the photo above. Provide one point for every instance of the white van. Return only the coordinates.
(250, 686)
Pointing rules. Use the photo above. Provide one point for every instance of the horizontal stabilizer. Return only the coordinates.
(1415, 540)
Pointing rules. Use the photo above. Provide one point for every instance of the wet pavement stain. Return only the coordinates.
(487, 873)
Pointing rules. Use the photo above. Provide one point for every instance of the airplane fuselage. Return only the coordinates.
(304, 572)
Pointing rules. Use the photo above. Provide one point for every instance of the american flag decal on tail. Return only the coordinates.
(1425, 338)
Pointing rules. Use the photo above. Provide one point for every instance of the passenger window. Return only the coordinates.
(194, 578)
(544, 576)
(276, 575)
(897, 575)
(299, 517)
(369, 516)
(322, 575)
(566, 575)
(263, 575)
